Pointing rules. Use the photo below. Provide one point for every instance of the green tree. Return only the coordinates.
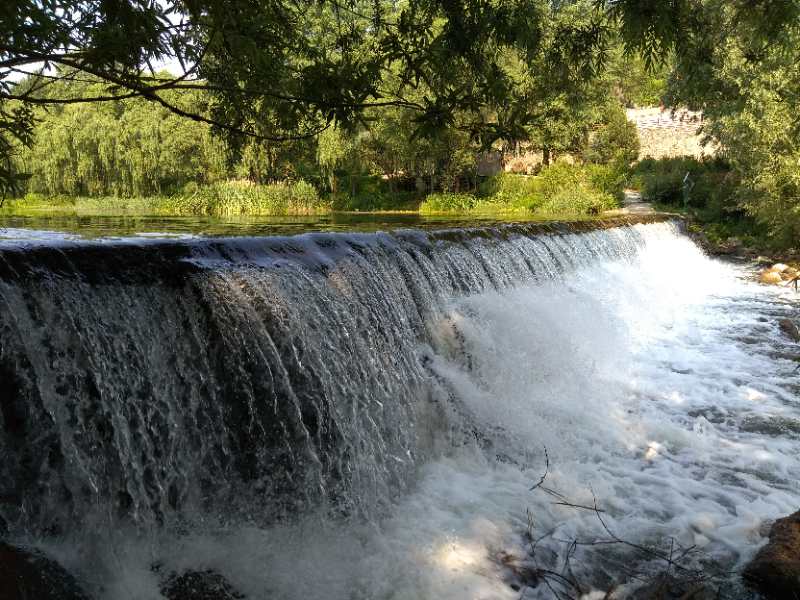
(281, 70)
(128, 147)
(616, 140)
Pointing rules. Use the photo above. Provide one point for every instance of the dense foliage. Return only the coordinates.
(707, 190)
(750, 94)
(126, 148)
(379, 103)
(615, 141)
(133, 147)
(559, 189)
(282, 70)
(736, 62)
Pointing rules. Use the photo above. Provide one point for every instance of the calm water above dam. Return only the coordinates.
(109, 226)
(364, 415)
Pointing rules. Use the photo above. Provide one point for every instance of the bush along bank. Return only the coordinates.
(226, 198)
(560, 189)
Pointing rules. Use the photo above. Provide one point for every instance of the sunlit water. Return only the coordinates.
(658, 383)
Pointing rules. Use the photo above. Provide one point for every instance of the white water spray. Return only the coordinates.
(655, 377)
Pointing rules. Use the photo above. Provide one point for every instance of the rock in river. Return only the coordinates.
(27, 574)
(199, 585)
(778, 268)
(775, 570)
(790, 329)
(771, 277)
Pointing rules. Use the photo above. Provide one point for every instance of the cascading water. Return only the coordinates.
(363, 415)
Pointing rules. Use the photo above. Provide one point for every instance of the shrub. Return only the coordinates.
(517, 191)
(578, 201)
(710, 181)
(560, 188)
(609, 179)
(242, 197)
(375, 193)
(448, 202)
(557, 177)
(662, 180)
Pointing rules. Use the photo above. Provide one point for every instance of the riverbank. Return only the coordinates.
(559, 190)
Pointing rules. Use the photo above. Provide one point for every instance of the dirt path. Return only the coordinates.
(634, 205)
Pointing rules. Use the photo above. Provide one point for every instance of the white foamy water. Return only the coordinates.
(661, 389)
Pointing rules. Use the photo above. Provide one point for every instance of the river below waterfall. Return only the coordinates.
(364, 417)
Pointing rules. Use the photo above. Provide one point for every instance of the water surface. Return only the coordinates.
(109, 226)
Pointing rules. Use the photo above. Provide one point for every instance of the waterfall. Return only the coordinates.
(143, 382)
(347, 416)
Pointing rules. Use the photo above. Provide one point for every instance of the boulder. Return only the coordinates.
(730, 246)
(775, 570)
(790, 329)
(27, 574)
(770, 277)
(199, 585)
(778, 268)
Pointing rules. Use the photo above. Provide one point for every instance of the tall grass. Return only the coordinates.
(560, 189)
(246, 198)
(228, 198)
(448, 202)
(517, 191)
(577, 201)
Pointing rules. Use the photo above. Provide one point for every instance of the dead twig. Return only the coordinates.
(565, 585)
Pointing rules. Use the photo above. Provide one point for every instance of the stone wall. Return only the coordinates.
(664, 133)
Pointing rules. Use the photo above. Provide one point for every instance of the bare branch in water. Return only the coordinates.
(546, 470)
(677, 572)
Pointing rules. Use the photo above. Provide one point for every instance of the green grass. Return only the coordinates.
(227, 198)
(100, 205)
(452, 203)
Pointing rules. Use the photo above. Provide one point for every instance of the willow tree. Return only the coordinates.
(124, 148)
